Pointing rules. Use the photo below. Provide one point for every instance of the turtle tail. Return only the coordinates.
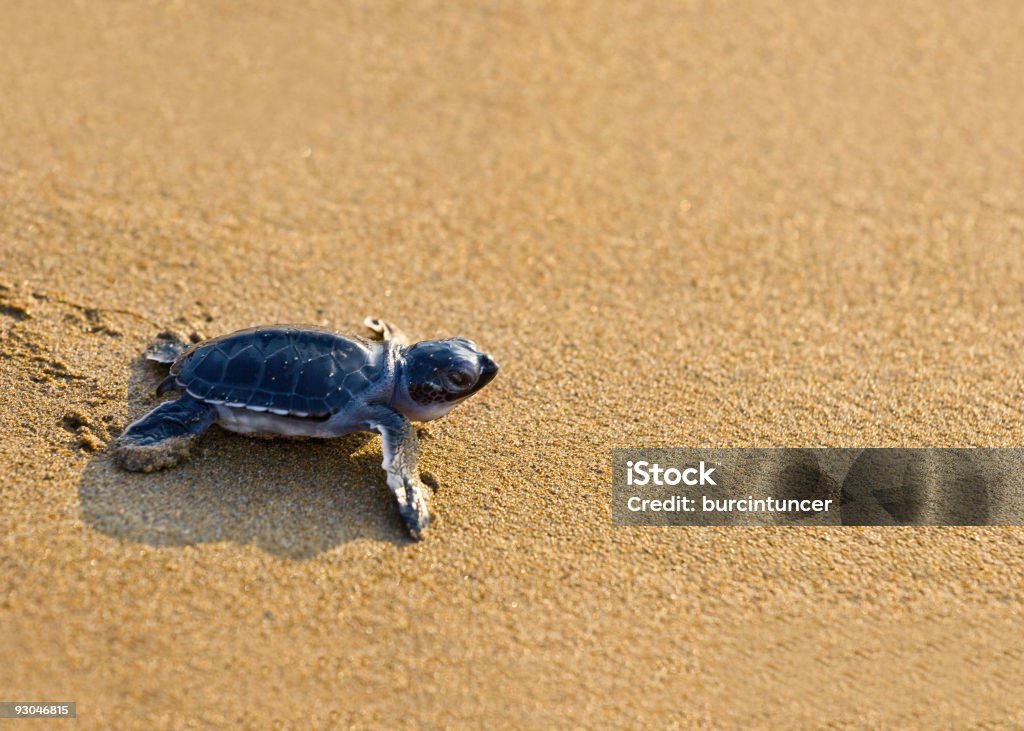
(168, 384)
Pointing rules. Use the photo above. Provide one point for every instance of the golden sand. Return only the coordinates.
(673, 224)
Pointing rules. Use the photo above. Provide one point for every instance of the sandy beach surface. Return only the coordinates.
(673, 224)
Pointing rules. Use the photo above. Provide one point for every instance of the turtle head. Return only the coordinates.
(438, 374)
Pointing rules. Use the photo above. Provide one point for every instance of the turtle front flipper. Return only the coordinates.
(386, 331)
(163, 437)
(401, 449)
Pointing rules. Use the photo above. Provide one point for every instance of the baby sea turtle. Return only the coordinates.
(294, 380)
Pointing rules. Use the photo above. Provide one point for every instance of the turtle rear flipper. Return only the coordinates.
(166, 348)
(164, 436)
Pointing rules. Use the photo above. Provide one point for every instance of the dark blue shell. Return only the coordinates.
(304, 371)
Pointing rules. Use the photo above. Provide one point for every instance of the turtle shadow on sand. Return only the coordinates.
(291, 498)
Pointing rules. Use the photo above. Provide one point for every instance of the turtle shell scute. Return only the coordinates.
(298, 370)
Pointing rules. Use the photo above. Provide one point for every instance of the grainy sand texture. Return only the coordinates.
(672, 223)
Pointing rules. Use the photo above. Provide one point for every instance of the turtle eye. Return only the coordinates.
(460, 379)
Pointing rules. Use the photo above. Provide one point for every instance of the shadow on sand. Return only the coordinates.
(923, 487)
(293, 499)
